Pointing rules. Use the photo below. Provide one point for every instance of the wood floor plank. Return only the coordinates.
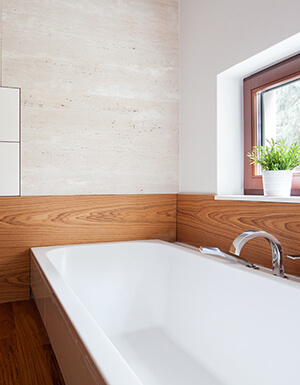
(28, 308)
(9, 366)
(26, 356)
(7, 325)
(33, 361)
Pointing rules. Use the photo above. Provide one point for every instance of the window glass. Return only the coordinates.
(280, 112)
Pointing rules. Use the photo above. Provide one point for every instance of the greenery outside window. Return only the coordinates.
(271, 110)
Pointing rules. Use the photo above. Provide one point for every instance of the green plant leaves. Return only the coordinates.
(277, 155)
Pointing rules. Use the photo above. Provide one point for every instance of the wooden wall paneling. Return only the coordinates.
(14, 279)
(201, 220)
(27, 222)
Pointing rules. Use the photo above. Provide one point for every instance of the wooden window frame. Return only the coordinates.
(280, 72)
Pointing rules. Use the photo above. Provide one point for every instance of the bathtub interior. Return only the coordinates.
(124, 290)
(127, 292)
(178, 317)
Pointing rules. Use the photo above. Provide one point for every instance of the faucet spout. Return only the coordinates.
(277, 251)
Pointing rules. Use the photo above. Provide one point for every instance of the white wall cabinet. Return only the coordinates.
(9, 141)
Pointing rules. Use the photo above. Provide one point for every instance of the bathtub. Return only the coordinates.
(155, 313)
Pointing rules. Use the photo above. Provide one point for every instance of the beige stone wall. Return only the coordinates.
(99, 94)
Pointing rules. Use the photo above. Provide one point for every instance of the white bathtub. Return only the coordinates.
(153, 313)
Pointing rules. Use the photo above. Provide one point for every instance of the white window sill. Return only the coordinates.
(257, 198)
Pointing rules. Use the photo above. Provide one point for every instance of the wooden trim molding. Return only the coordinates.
(27, 222)
(203, 221)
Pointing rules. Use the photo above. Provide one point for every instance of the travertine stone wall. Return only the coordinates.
(99, 94)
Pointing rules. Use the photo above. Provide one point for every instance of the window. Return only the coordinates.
(271, 110)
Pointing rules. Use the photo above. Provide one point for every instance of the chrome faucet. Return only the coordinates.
(277, 251)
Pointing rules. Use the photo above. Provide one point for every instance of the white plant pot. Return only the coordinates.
(277, 183)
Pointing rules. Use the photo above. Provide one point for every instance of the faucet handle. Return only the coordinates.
(294, 257)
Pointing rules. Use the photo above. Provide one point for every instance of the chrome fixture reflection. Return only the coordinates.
(277, 251)
(294, 257)
(220, 253)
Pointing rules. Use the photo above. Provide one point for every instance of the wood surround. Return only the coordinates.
(27, 222)
(201, 220)
(56, 220)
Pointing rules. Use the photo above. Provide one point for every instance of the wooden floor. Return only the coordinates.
(26, 356)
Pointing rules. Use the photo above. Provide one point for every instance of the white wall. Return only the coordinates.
(99, 94)
(216, 35)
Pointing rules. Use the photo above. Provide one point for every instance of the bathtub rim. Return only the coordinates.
(266, 272)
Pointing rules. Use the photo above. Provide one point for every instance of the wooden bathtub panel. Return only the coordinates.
(27, 222)
(201, 220)
(76, 364)
(71, 355)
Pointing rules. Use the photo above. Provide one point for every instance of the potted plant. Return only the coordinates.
(277, 160)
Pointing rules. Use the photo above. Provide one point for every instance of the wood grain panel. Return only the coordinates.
(201, 220)
(27, 222)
